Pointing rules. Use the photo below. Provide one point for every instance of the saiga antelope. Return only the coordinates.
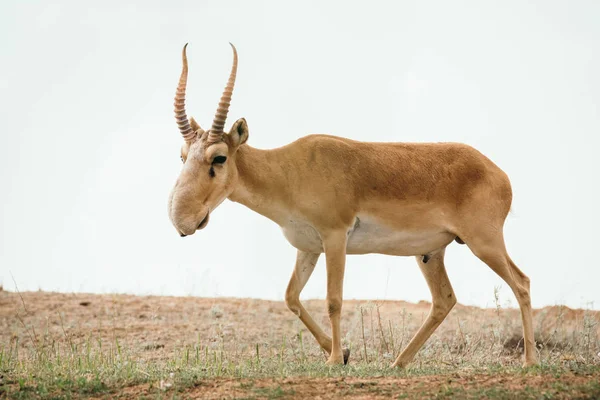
(338, 196)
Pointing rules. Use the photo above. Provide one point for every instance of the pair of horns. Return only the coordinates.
(216, 131)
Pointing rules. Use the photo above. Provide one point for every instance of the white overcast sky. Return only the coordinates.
(89, 149)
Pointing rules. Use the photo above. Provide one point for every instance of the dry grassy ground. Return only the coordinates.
(84, 345)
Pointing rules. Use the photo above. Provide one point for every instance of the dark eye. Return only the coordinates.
(219, 160)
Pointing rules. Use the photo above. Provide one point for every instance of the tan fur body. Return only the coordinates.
(337, 196)
(393, 198)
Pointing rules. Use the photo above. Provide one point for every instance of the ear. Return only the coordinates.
(195, 126)
(239, 132)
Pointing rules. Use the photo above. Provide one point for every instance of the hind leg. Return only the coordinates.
(442, 301)
(489, 247)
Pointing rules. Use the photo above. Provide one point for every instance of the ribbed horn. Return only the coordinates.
(221, 115)
(182, 120)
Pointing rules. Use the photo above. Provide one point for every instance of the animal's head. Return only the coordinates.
(209, 173)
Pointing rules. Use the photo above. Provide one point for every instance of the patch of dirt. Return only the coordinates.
(437, 386)
(155, 328)
(158, 326)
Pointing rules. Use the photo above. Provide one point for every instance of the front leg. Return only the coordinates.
(305, 265)
(335, 256)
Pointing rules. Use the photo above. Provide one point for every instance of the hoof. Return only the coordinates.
(346, 356)
(334, 362)
(341, 359)
(529, 364)
(400, 364)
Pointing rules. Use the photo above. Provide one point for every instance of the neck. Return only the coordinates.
(261, 182)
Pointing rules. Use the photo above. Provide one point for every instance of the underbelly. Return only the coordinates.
(372, 237)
